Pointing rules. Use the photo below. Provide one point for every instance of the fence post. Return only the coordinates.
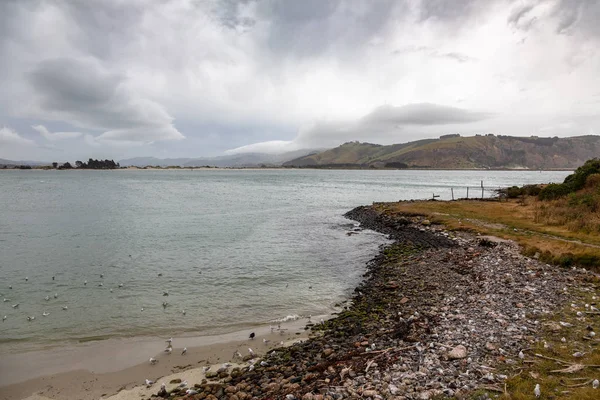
(482, 189)
(467, 192)
(452, 190)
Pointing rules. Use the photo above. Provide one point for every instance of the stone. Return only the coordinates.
(457, 353)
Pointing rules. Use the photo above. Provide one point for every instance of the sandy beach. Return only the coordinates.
(118, 368)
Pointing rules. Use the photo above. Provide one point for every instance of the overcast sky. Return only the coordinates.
(189, 78)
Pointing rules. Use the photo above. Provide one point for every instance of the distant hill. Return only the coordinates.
(22, 162)
(235, 160)
(456, 152)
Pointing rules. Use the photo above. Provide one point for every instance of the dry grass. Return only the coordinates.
(518, 220)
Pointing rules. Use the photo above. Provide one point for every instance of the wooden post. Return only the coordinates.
(452, 190)
(482, 189)
(467, 192)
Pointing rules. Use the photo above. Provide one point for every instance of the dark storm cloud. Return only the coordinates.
(313, 27)
(91, 97)
(421, 114)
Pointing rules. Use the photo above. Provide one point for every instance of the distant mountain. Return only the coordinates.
(235, 160)
(23, 162)
(456, 152)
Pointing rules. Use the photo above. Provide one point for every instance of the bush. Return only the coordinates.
(554, 191)
(573, 182)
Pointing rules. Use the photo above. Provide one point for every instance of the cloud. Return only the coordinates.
(85, 94)
(421, 114)
(135, 77)
(9, 137)
(57, 135)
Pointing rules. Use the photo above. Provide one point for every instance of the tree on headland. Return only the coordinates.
(97, 164)
(54, 165)
(66, 165)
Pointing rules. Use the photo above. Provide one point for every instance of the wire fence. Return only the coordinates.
(471, 192)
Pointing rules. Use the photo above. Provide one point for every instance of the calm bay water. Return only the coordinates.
(235, 248)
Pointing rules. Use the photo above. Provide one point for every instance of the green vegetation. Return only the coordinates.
(573, 182)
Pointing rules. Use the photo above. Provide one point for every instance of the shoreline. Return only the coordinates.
(118, 364)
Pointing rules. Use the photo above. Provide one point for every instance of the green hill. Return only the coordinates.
(456, 152)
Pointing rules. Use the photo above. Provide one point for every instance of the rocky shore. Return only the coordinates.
(439, 314)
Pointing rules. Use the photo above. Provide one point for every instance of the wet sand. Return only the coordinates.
(120, 367)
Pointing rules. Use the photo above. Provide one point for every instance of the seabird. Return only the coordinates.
(120, 285)
(206, 369)
(251, 351)
(53, 278)
(153, 360)
(159, 274)
(149, 382)
(166, 293)
(111, 290)
(252, 335)
(578, 354)
(183, 312)
(169, 350)
(263, 364)
(101, 284)
(4, 318)
(595, 384)
(191, 391)
(265, 341)
(592, 334)
(10, 287)
(183, 384)
(55, 295)
(142, 309)
(564, 340)
(65, 308)
(30, 318)
(169, 340)
(15, 305)
(85, 283)
(537, 390)
(26, 279)
(47, 298)
(101, 275)
(165, 304)
(45, 314)
(237, 354)
(184, 351)
(5, 300)
(521, 355)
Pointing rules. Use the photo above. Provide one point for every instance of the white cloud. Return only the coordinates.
(134, 73)
(9, 137)
(56, 135)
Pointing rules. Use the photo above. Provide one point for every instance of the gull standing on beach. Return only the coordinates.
(149, 382)
(184, 351)
(169, 350)
(251, 351)
(45, 314)
(169, 340)
(537, 391)
(153, 360)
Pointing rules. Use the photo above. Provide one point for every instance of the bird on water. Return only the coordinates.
(252, 335)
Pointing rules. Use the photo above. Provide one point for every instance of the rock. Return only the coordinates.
(457, 353)
(369, 393)
(210, 375)
(173, 381)
(327, 352)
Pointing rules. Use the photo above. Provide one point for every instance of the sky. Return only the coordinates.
(190, 78)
